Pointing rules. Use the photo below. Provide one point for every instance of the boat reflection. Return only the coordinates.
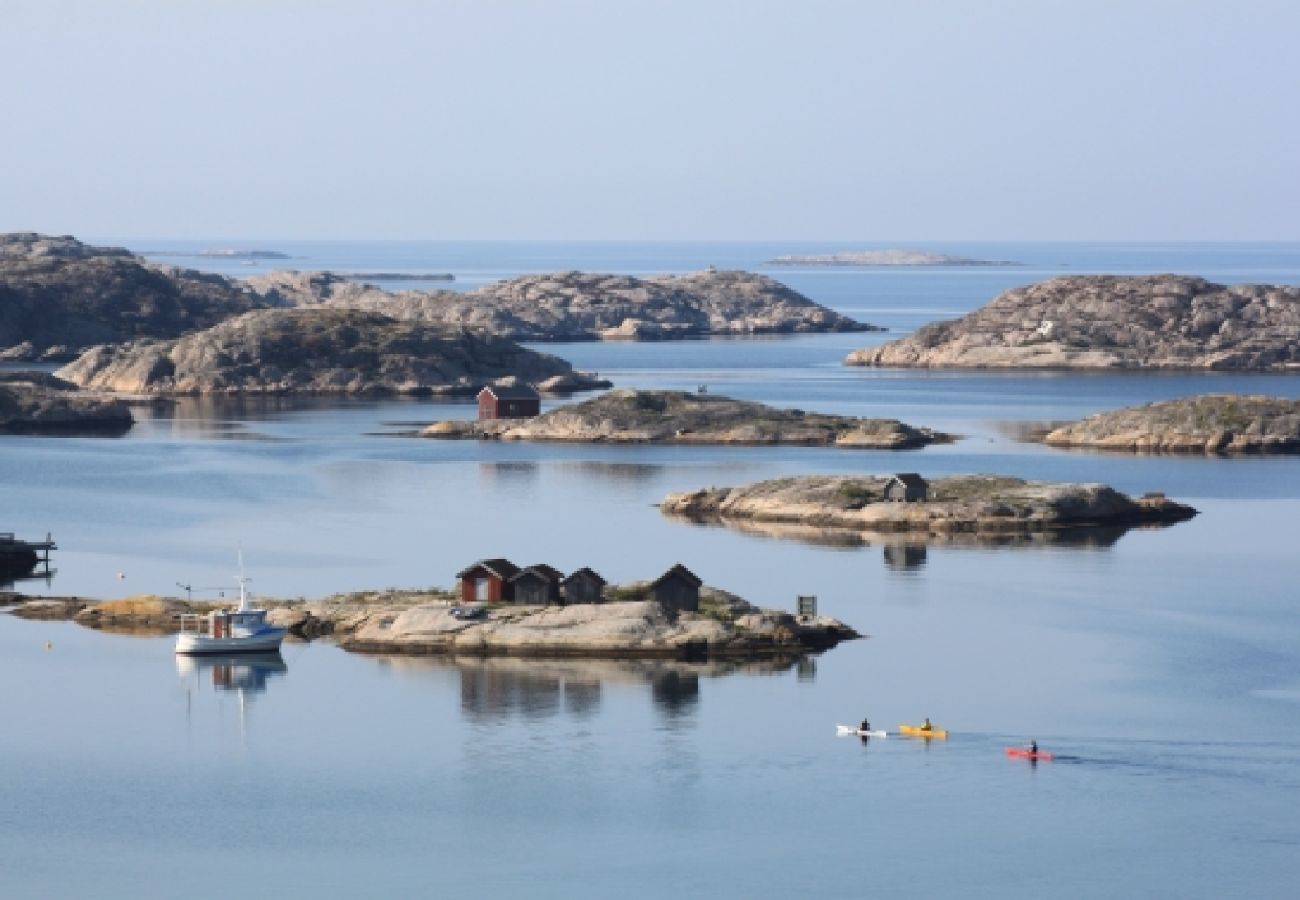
(244, 673)
(502, 688)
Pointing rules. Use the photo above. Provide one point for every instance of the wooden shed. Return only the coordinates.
(487, 581)
(584, 586)
(508, 401)
(907, 487)
(537, 585)
(677, 590)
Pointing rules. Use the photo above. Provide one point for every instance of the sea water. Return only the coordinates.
(1160, 664)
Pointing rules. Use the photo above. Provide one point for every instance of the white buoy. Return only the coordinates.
(49, 645)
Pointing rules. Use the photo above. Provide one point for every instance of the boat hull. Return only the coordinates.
(917, 731)
(844, 730)
(201, 644)
(1022, 753)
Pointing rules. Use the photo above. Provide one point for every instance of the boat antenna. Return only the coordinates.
(243, 582)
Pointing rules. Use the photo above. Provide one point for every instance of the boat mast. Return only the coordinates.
(243, 585)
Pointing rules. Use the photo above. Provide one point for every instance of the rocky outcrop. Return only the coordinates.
(59, 296)
(885, 258)
(1210, 423)
(324, 351)
(726, 627)
(573, 306)
(144, 614)
(962, 503)
(1113, 322)
(676, 417)
(34, 402)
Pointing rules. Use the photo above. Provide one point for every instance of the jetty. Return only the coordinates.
(21, 559)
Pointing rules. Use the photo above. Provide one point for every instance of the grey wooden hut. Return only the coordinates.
(584, 586)
(677, 590)
(537, 585)
(906, 487)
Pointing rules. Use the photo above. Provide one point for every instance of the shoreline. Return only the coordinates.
(421, 624)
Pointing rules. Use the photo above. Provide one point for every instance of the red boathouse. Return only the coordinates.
(487, 581)
(508, 401)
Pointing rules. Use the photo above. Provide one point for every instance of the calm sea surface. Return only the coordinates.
(1162, 664)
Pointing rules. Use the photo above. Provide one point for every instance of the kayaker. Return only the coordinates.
(865, 726)
(1033, 748)
(927, 726)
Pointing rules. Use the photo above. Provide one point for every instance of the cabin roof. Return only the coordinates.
(678, 571)
(910, 479)
(541, 570)
(511, 392)
(502, 568)
(585, 572)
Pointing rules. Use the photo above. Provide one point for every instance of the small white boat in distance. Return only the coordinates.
(239, 630)
(846, 730)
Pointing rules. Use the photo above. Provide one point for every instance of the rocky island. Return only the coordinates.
(321, 351)
(581, 306)
(422, 622)
(895, 257)
(677, 417)
(37, 403)
(1113, 322)
(988, 504)
(1209, 423)
(59, 297)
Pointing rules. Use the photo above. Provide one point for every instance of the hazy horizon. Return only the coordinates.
(575, 120)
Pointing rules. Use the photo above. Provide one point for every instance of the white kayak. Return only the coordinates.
(846, 730)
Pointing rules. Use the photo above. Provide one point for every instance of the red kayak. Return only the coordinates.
(1022, 753)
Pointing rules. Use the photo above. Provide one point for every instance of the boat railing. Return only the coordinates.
(193, 623)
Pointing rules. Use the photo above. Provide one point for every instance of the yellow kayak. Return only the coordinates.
(918, 731)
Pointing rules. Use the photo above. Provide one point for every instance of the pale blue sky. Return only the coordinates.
(652, 119)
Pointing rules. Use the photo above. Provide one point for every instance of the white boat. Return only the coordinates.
(239, 630)
(845, 730)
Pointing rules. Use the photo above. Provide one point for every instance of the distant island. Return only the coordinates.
(318, 351)
(60, 297)
(1114, 322)
(398, 276)
(988, 504)
(1210, 423)
(677, 417)
(581, 306)
(896, 257)
(243, 254)
(39, 403)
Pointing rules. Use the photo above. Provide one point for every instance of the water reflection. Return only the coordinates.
(246, 674)
(510, 474)
(905, 557)
(908, 550)
(616, 474)
(496, 689)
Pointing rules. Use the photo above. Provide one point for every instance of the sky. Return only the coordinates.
(806, 120)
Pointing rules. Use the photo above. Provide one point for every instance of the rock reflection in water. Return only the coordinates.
(1091, 537)
(500, 688)
(512, 474)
